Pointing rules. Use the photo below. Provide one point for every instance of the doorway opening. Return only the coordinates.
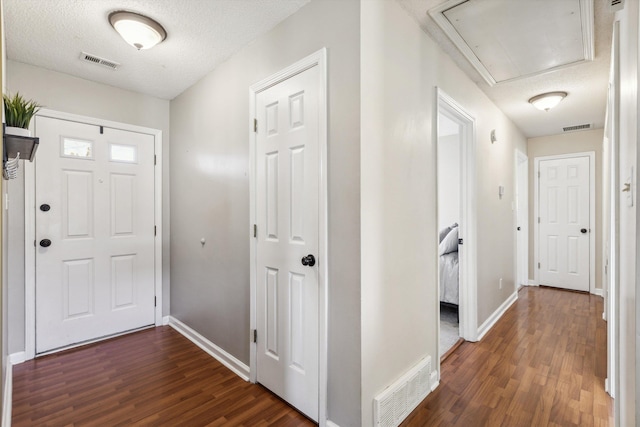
(456, 213)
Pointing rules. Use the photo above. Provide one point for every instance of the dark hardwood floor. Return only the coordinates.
(543, 364)
(155, 377)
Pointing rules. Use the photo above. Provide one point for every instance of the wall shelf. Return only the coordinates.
(12, 145)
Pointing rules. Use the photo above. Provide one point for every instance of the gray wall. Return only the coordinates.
(210, 192)
(62, 92)
(401, 67)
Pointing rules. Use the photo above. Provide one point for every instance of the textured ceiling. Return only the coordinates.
(586, 82)
(201, 34)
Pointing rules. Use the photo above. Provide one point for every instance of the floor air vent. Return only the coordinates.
(397, 401)
(577, 127)
(99, 61)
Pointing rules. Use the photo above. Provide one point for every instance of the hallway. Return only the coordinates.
(543, 364)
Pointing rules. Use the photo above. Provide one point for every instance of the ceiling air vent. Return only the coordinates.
(113, 65)
(576, 127)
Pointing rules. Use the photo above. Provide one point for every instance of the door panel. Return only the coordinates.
(97, 277)
(287, 201)
(564, 212)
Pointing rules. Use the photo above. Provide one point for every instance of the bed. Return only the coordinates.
(449, 270)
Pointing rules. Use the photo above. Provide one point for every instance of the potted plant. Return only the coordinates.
(18, 113)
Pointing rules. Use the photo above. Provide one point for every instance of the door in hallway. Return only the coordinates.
(287, 245)
(564, 217)
(94, 232)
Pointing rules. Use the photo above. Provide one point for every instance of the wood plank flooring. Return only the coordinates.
(543, 364)
(154, 377)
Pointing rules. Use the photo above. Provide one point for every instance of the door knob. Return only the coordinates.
(45, 243)
(309, 260)
(45, 207)
(583, 230)
(518, 228)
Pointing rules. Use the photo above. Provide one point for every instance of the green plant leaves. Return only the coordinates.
(19, 111)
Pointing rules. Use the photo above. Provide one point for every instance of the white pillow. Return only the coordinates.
(449, 243)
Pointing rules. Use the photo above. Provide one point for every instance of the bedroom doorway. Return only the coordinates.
(456, 213)
(449, 197)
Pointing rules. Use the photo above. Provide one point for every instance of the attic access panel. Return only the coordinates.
(506, 39)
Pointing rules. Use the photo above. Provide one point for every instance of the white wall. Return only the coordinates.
(210, 192)
(573, 142)
(401, 66)
(448, 180)
(62, 92)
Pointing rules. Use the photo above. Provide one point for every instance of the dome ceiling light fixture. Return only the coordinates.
(138, 30)
(547, 101)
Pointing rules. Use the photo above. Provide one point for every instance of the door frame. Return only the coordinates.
(521, 158)
(468, 304)
(592, 213)
(316, 59)
(30, 222)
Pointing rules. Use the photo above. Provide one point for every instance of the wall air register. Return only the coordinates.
(107, 63)
(576, 127)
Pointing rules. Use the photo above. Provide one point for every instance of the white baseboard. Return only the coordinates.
(214, 351)
(532, 282)
(435, 380)
(330, 423)
(598, 291)
(17, 358)
(7, 402)
(488, 324)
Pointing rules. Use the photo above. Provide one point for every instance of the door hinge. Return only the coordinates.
(155, 230)
(538, 174)
(255, 125)
(538, 220)
(255, 230)
(460, 241)
(155, 160)
(538, 265)
(255, 335)
(101, 130)
(155, 301)
(34, 243)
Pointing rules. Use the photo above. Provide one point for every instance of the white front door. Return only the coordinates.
(287, 201)
(564, 210)
(94, 232)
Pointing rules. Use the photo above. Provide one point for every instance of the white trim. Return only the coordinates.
(599, 292)
(592, 212)
(7, 401)
(235, 365)
(587, 20)
(17, 358)
(319, 59)
(488, 324)
(331, 424)
(533, 282)
(30, 232)
(434, 380)
(468, 224)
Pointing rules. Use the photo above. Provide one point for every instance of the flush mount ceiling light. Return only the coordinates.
(138, 30)
(547, 101)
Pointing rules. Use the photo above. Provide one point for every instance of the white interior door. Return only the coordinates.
(564, 215)
(287, 201)
(94, 232)
(522, 212)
